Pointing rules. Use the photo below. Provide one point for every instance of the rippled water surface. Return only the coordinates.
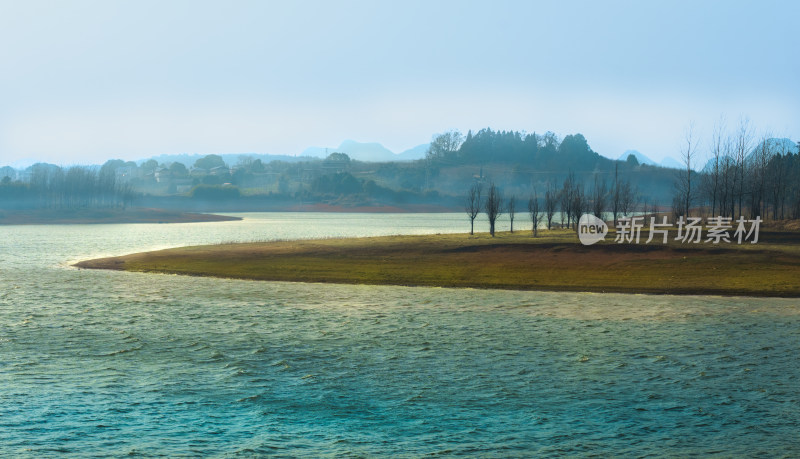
(109, 363)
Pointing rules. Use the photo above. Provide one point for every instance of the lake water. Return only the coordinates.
(96, 363)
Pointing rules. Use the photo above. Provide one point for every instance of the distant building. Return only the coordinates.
(162, 174)
(127, 173)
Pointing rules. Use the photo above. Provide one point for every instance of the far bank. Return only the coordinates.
(99, 216)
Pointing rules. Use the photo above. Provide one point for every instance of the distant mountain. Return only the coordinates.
(776, 146)
(666, 162)
(670, 162)
(368, 151)
(21, 164)
(371, 151)
(414, 153)
(230, 158)
(639, 157)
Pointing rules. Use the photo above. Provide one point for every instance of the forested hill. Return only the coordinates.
(522, 163)
(543, 152)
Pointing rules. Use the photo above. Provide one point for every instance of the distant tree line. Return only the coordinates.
(559, 178)
(55, 187)
(745, 175)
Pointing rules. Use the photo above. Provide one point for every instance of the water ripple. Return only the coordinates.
(113, 364)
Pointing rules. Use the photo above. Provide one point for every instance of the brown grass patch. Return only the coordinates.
(555, 261)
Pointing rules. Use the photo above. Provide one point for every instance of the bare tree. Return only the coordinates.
(777, 182)
(599, 197)
(579, 203)
(627, 199)
(742, 146)
(568, 199)
(616, 195)
(493, 206)
(759, 164)
(714, 171)
(677, 206)
(650, 207)
(684, 194)
(727, 180)
(512, 207)
(77, 187)
(794, 186)
(535, 213)
(550, 201)
(472, 205)
(127, 195)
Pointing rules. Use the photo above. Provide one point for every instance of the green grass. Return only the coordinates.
(554, 261)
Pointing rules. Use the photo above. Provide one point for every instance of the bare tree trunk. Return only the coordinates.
(716, 157)
(684, 184)
(472, 205)
(550, 204)
(493, 206)
(568, 198)
(599, 197)
(615, 194)
(533, 210)
(512, 204)
(744, 139)
(579, 204)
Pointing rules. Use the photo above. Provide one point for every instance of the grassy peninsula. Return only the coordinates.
(555, 261)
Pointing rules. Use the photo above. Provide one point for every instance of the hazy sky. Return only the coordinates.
(85, 81)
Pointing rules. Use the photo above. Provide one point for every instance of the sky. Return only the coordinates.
(85, 81)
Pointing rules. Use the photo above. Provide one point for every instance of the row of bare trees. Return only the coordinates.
(570, 202)
(745, 174)
(494, 207)
(76, 187)
(618, 199)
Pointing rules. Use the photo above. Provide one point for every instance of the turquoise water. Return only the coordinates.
(97, 363)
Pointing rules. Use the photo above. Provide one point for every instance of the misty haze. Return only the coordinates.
(360, 229)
